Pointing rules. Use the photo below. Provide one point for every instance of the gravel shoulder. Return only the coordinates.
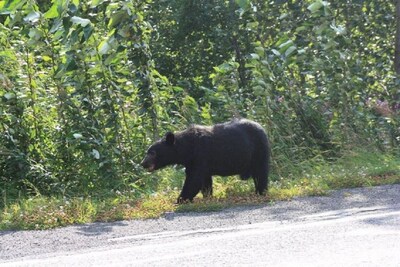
(29, 244)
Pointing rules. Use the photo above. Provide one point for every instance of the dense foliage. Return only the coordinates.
(85, 86)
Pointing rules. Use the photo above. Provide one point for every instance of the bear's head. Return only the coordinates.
(161, 153)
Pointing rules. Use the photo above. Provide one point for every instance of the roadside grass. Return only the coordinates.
(355, 169)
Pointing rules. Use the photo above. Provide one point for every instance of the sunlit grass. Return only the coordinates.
(353, 170)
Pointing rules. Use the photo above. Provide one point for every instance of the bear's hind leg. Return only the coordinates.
(260, 184)
(260, 177)
(207, 189)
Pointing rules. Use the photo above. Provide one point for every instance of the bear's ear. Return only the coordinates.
(170, 138)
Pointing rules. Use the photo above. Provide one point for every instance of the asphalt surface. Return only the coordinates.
(351, 227)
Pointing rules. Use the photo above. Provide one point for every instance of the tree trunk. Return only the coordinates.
(397, 41)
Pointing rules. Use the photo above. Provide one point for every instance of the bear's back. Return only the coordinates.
(228, 148)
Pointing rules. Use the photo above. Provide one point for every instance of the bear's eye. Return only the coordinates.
(152, 153)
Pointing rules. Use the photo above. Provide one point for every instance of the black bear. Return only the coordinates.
(236, 147)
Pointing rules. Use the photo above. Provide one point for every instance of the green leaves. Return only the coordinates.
(81, 21)
(77, 135)
(317, 5)
(290, 50)
(87, 85)
(95, 3)
(117, 18)
(95, 153)
(106, 45)
(8, 6)
(287, 48)
(9, 96)
(32, 17)
(72, 74)
(243, 4)
(53, 12)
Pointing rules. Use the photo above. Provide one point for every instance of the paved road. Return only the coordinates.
(353, 227)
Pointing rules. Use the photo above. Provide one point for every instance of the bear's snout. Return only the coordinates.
(148, 164)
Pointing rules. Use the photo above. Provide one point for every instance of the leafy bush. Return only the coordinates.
(85, 86)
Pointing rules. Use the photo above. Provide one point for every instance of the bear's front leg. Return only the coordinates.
(191, 187)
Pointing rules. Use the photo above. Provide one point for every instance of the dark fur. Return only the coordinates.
(236, 147)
